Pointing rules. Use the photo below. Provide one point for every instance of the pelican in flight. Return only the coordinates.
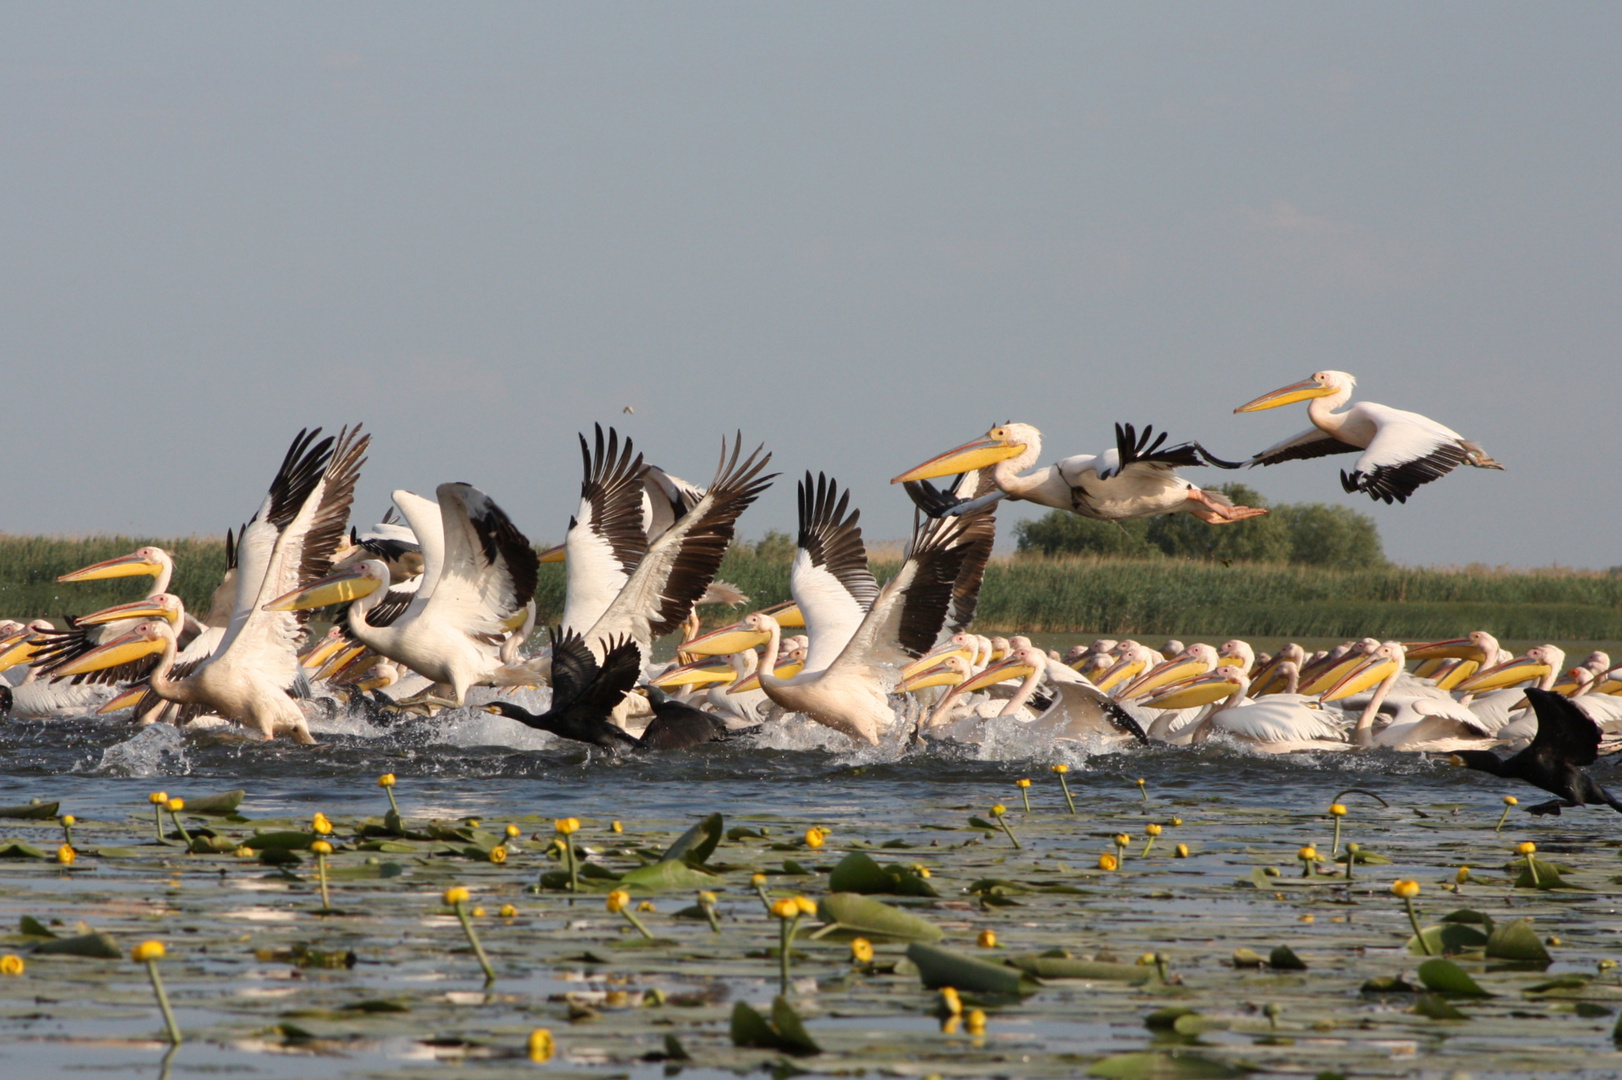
(478, 580)
(899, 623)
(1400, 450)
(291, 539)
(1136, 478)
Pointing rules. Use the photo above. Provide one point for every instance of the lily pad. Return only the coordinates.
(279, 841)
(33, 927)
(1144, 1065)
(858, 873)
(96, 945)
(221, 805)
(1437, 1008)
(696, 845)
(1448, 939)
(1283, 957)
(857, 914)
(784, 1031)
(670, 874)
(34, 811)
(1445, 977)
(939, 967)
(1517, 941)
(1063, 967)
(16, 849)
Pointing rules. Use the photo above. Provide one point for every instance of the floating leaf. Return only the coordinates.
(671, 874)
(16, 849)
(34, 811)
(1169, 1066)
(784, 1031)
(939, 967)
(33, 927)
(695, 846)
(1517, 941)
(1002, 887)
(1437, 1008)
(1449, 939)
(1283, 957)
(1062, 967)
(1446, 977)
(1469, 915)
(222, 805)
(377, 1005)
(858, 873)
(1165, 1019)
(792, 866)
(279, 841)
(98, 945)
(860, 915)
(1388, 984)
(1247, 958)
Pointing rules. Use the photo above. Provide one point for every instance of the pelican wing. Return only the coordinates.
(266, 641)
(980, 537)
(1087, 705)
(428, 523)
(301, 472)
(1276, 720)
(680, 565)
(911, 608)
(489, 571)
(1133, 449)
(1311, 443)
(605, 541)
(1407, 450)
(665, 498)
(829, 579)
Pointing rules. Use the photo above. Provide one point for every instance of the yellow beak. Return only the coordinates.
(941, 674)
(19, 648)
(139, 609)
(339, 662)
(322, 652)
(553, 554)
(1510, 673)
(1451, 649)
(726, 641)
(135, 645)
(1179, 669)
(696, 675)
(1460, 671)
(1369, 671)
(1118, 673)
(787, 614)
(350, 583)
(933, 659)
(126, 700)
(1325, 679)
(1287, 395)
(971, 455)
(123, 566)
(1192, 694)
(1007, 671)
(781, 671)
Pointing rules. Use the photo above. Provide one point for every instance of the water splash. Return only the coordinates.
(156, 750)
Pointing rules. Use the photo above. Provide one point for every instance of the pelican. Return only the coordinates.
(1276, 724)
(849, 693)
(1079, 709)
(478, 584)
(1421, 723)
(1135, 479)
(291, 539)
(1400, 450)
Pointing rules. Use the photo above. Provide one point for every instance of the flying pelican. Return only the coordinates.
(483, 578)
(849, 693)
(1135, 479)
(290, 540)
(1400, 450)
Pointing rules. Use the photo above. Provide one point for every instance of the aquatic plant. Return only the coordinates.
(149, 953)
(1060, 770)
(456, 897)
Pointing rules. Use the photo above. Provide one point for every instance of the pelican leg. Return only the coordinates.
(1213, 512)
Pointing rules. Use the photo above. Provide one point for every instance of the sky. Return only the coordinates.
(862, 233)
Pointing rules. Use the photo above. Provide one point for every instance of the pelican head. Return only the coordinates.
(161, 606)
(142, 562)
(1001, 443)
(350, 583)
(1321, 384)
(1533, 664)
(1217, 685)
(1385, 662)
(146, 639)
(951, 670)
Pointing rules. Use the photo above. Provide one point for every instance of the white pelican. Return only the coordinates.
(1276, 724)
(1421, 723)
(1079, 709)
(850, 694)
(1401, 450)
(482, 578)
(1135, 479)
(290, 540)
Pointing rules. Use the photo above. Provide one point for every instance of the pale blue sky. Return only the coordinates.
(861, 232)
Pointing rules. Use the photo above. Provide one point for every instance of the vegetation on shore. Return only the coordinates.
(1069, 594)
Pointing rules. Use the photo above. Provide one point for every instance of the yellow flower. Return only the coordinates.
(987, 939)
(920, 869)
(244, 852)
(1463, 875)
(65, 854)
(148, 950)
(320, 824)
(614, 826)
(815, 837)
(1181, 851)
(498, 854)
(975, 1022)
(951, 1002)
(1061, 768)
(478, 913)
(1022, 782)
(999, 810)
(1107, 862)
(617, 900)
(861, 950)
(707, 898)
(1152, 829)
(321, 847)
(1405, 889)
(805, 906)
(386, 780)
(1510, 800)
(568, 826)
(1175, 822)
(513, 831)
(1307, 854)
(785, 908)
(507, 911)
(175, 805)
(158, 798)
(541, 1046)
(1525, 847)
(646, 905)
(11, 964)
(457, 894)
(1337, 810)
(758, 880)
(1122, 839)
(69, 820)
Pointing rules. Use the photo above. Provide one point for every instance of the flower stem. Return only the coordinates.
(1066, 789)
(636, 922)
(184, 835)
(1025, 793)
(1501, 819)
(321, 875)
(157, 822)
(574, 867)
(1532, 865)
(1007, 830)
(1413, 919)
(389, 791)
(1335, 845)
(163, 1002)
(473, 940)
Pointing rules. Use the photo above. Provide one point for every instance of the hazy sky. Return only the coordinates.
(860, 232)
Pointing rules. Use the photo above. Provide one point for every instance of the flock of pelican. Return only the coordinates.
(440, 601)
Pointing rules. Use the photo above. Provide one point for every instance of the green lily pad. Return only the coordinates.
(16, 849)
(1445, 977)
(97, 945)
(1469, 915)
(1283, 957)
(670, 874)
(784, 1031)
(279, 841)
(1144, 1065)
(695, 846)
(1437, 1008)
(33, 927)
(1062, 967)
(34, 811)
(1448, 939)
(939, 967)
(860, 915)
(1005, 887)
(222, 805)
(858, 873)
(1517, 941)
(797, 868)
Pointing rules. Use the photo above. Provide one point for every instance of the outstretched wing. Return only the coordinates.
(490, 568)
(1565, 732)
(1407, 450)
(1311, 443)
(830, 580)
(573, 667)
(618, 673)
(605, 541)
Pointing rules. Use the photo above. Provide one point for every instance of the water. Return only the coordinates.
(1240, 811)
